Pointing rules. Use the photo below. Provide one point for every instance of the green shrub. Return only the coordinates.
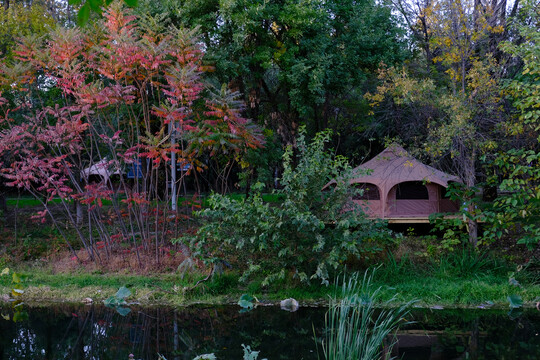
(516, 211)
(309, 234)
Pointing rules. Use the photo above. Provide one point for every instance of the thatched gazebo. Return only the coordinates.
(397, 186)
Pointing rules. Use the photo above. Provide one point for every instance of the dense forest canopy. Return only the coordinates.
(295, 62)
(338, 64)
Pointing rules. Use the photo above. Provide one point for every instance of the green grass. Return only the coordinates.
(464, 277)
(159, 289)
(459, 279)
(28, 201)
(429, 290)
(433, 291)
(81, 280)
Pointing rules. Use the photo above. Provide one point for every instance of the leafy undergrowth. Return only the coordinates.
(462, 278)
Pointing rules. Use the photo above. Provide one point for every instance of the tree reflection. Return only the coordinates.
(93, 332)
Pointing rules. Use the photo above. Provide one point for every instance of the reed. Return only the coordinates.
(355, 326)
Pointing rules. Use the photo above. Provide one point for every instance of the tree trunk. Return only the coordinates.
(471, 182)
(426, 37)
(3, 203)
(78, 212)
(473, 232)
(248, 181)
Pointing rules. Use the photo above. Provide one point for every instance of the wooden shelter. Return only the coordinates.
(401, 189)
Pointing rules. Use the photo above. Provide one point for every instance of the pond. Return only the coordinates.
(96, 332)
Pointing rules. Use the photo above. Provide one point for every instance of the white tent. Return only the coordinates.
(104, 169)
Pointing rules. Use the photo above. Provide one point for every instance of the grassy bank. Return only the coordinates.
(428, 290)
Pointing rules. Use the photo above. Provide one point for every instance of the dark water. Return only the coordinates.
(95, 332)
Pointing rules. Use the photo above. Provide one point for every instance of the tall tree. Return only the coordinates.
(19, 19)
(295, 62)
(122, 88)
(428, 19)
(460, 100)
(517, 170)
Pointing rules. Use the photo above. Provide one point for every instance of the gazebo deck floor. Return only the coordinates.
(409, 220)
(414, 219)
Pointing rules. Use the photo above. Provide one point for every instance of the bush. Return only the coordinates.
(516, 211)
(309, 234)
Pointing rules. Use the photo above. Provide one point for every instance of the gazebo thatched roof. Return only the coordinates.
(394, 165)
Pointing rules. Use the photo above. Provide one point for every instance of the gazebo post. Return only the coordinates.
(439, 196)
(383, 199)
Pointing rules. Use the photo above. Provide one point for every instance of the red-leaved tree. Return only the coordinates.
(121, 97)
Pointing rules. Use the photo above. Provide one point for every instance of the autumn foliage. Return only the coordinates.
(110, 98)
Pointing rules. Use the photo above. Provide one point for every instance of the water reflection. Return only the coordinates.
(89, 332)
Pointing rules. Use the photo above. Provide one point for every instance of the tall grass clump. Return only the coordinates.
(354, 327)
(467, 263)
(394, 270)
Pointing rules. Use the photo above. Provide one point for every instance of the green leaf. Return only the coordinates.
(20, 316)
(16, 278)
(123, 310)
(84, 14)
(74, 2)
(515, 313)
(247, 297)
(131, 3)
(95, 5)
(110, 302)
(246, 302)
(515, 301)
(123, 293)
